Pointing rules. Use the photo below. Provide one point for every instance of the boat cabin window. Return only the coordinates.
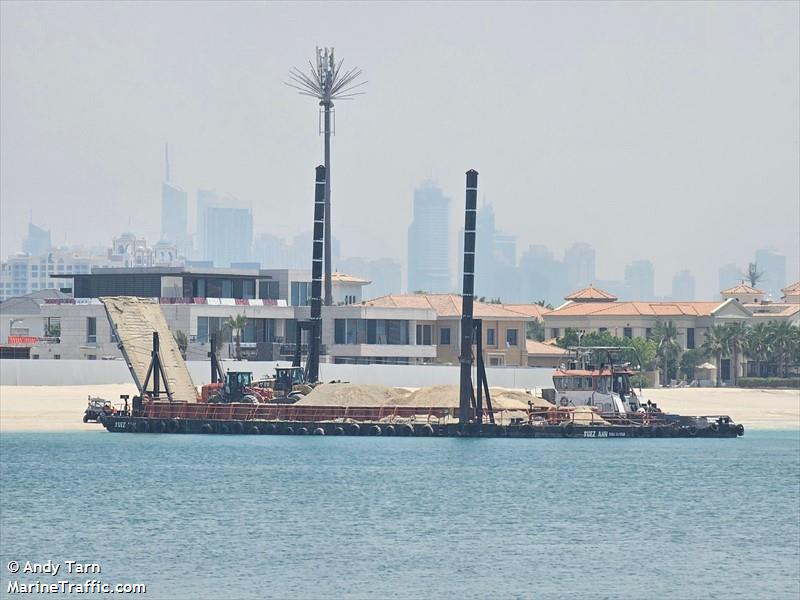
(604, 384)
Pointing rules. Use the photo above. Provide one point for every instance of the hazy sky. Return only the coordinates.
(661, 131)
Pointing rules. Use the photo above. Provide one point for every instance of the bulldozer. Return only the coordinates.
(288, 384)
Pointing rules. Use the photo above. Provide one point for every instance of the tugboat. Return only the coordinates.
(598, 379)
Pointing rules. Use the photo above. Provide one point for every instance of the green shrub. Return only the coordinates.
(769, 382)
(640, 381)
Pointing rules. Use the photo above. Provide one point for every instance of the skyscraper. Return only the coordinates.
(773, 266)
(640, 278)
(37, 242)
(428, 241)
(683, 285)
(174, 211)
(729, 276)
(579, 262)
(541, 276)
(228, 235)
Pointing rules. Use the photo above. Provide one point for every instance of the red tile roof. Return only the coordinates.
(534, 311)
(632, 309)
(344, 278)
(742, 288)
(445, 305)
(591, 294)
(792, 290)
(540, 349)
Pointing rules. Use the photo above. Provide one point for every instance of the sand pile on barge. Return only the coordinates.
(353, 394)
(439, 396)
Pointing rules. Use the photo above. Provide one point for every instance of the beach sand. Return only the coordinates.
(60, 408)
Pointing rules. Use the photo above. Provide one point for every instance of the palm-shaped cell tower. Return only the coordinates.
(326, 82)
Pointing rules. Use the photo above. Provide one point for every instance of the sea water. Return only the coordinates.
(328, 517)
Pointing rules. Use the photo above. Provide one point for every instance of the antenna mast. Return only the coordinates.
(326, 82)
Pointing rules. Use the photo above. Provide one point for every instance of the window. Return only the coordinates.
(56, 357)
(627, 332)
(690, 338)
(444, 336)
(52, 327)
(91, 330)
(648, 333)
(495, 361)
(248, 288)
(268, 290)
(301, 293)
(339, 331)
(91, 357)
(227, 288)
(424, 335)
(202, 329)
(554, 332)
(602, 329)
(511, 337)
(491, 336)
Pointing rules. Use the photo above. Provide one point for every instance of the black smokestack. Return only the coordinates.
(467, 297)
(315, 343)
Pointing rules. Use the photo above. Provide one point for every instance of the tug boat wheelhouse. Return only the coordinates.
(605, 383)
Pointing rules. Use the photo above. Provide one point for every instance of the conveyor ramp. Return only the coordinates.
(134, 320)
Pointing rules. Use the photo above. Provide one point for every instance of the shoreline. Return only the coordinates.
(60, 408)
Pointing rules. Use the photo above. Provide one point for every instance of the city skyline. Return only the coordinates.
(564, 157)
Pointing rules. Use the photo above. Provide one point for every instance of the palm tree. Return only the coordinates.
(735, 335)
(757, 346)
(237, 324)
(753, 274)
(666, 338)
(182, 341)
(716, 344)
(783, 342)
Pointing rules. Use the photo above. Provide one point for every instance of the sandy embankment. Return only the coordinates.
(53, 408)
(60, 408)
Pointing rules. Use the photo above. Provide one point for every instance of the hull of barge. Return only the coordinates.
(123, 424)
